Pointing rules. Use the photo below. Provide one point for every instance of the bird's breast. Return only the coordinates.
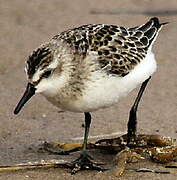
(102, 90)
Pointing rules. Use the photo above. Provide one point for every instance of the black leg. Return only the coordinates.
(87, 127)
(85, 161)
(132, 123)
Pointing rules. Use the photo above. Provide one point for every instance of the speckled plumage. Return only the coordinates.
(92, 66)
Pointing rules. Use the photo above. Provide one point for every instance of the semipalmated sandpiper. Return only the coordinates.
(92, 67)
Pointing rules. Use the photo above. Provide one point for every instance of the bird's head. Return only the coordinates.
(43, 70)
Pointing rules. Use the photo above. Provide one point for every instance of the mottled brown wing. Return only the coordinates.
(118, 49)
(121, 49)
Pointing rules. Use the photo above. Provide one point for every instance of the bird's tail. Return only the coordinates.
(156, 22)
(151, 29)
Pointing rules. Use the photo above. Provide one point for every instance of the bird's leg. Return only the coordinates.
(85, 161)
(132, 123)
(87, 127)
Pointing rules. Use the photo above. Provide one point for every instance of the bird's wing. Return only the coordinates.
(118, 49)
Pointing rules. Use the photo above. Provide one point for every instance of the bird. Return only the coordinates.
(92, 67)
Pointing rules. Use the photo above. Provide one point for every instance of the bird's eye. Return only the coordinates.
(47, 74)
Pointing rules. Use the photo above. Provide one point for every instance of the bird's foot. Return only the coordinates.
(85, 162)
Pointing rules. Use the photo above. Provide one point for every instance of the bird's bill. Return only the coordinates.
(30, 91)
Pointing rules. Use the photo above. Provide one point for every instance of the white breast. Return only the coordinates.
(104, 91)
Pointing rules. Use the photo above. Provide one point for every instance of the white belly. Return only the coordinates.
(106, 91)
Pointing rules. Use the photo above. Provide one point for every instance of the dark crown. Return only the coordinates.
(40, 57)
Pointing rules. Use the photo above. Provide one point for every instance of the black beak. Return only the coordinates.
(30, 91)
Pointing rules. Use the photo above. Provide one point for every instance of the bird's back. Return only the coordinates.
(118, 49)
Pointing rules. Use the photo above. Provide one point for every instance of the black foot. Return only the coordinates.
(85, 162)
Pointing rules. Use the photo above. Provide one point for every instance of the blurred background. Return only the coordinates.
(25, 24)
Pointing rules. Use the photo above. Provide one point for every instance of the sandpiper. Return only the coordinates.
(92, 67)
